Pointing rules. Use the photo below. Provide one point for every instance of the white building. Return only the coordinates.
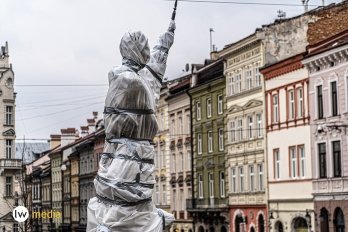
(9, 166)
(162, 189)
(180, 152)
(291, 206)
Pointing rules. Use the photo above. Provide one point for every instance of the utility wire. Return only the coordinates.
(243, 3)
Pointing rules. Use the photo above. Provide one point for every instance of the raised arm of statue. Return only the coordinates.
(158, 58)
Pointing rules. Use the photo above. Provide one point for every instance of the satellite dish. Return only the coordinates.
(187, 67)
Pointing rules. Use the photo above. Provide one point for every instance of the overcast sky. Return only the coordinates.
(62, 42)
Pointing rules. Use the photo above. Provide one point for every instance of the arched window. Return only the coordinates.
(223, 229)
(300, 224)
(201, 229)
(339, 220)
(252, 229)
(261, 222)
(324, 220)
(279, 227)
(239, 220)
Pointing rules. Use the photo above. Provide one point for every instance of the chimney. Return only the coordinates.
(84, 131)
(55, 141)
(95, 115)
(214, 55)
(194, 76)
(68, 136)
(91, 125)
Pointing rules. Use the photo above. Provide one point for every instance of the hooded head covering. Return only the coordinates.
(134, 46)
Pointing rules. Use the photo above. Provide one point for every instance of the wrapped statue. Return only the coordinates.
(125, 180)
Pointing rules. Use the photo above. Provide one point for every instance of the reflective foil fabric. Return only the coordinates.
(125, 180)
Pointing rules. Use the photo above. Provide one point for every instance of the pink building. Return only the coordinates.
(327, 63)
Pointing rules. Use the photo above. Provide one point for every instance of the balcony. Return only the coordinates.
(10, 164)
(210, 204)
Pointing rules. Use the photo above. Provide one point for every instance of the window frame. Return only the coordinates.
(301, 152)
(198, 111)
(300, 102)
(319, 102)
(221, 139)
(334, 100)
(209, 107)
(276, 158)
(199, 144)
(251, 178)
(293, 161)
(291, 105)
(241, 178)
(200, 186)
(275, 108)
(335, 159)
(222, 184)
(220, 104)
(322, 156)
(210, 142)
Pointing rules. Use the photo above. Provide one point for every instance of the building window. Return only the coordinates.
(234, 180)
(241, 179)
(8, 149)
(300, 103)
(172, 127)
(181, 157)
(291, 104)
(238, 83)
(248, 79)
(334, 102)
(301, 152)
(276, 164)
(252, 178)
(336, 152)
(181, 126)
(200, 186)
(221, 139)
(231, 85)
(163, 159)
(240, 129)
(257, 77)
(322, 160)
(9, 115)
(320, 103)
(174, 199)
(211, 185)
(260, 172)
(173, 163)
(220, 105)
(275, 108)
(232, 131)
(164, 195)
(199, 143)
(293, 162)
(222, 184)
(209, 108)
(9, 187)
(250, 127)
(163, 126)
(15, 227)
(259, 125)
(198, 111)
(210, 141)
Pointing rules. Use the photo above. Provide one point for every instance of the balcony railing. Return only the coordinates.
(206, 203)
(10, 163)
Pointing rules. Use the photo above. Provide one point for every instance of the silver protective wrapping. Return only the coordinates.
(125, 180)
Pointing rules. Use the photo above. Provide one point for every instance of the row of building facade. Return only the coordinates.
(253, 139)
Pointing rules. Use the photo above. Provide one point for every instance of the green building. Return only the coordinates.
(209, 206)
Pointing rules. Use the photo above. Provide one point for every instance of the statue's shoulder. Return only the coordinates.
(115, 71)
